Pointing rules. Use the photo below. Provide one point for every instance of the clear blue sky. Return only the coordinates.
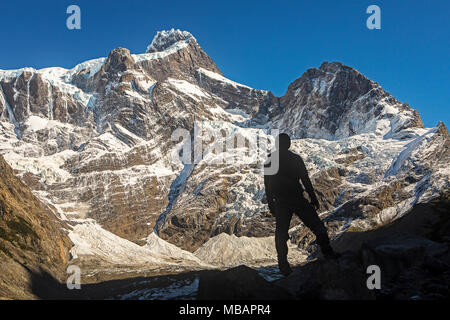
(264, 44)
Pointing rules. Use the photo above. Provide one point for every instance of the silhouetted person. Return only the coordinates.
(285, 196)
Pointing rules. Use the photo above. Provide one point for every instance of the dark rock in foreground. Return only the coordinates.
(239, 283)
(340, 279)
(412, 254)
(412, 267)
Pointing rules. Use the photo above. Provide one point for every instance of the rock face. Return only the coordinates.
(32, 242)
(188, 58)
(103, 141)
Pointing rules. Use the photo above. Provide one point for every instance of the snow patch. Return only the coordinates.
(90, 239)
(229, 250)
(188, 88)
(222, 79)
(36, 123)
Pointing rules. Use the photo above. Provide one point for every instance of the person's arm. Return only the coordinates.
(307, 183)
(269, 194)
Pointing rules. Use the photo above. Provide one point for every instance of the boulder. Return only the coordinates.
(239, 283)
(341, 279)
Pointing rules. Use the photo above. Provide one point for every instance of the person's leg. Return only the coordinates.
(306, 212)
(283, 219)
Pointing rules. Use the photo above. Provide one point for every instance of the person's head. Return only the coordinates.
(283, 141)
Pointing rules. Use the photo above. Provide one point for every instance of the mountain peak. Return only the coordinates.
(442, 129)
(119, 59)
(166, 38)
(333, 67)
(335, 64)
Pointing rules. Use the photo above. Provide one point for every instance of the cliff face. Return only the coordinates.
(32, 240)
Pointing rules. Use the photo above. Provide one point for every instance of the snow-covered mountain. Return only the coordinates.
(95, 143)
(336, 101)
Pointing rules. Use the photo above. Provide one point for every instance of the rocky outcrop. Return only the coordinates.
(340, 279)
(413, 267)
(240, 283)
(412, 252)
(328, 187)
(187, 58)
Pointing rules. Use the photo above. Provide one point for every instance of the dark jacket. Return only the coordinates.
(285, 184)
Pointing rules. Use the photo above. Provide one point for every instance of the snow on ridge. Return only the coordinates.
(164, 44)
(165, 38)
(94, 65)
(220, 78)
(57, 74)
(169, 42)
(188, 88)
(14, 73)
(166, 249)
(160, 54)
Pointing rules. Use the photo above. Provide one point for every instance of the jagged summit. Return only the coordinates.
(344, 72)
(335, 66)
(120, 59)
(166, 38)
(442, 129)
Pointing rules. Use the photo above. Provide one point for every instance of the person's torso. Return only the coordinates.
(286, 182)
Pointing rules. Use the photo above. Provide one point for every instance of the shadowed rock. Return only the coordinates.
(240, 283)
(342, 279)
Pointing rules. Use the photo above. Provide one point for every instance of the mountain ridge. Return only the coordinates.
(94, 142)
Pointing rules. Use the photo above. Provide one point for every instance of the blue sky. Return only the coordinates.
(263, 44)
